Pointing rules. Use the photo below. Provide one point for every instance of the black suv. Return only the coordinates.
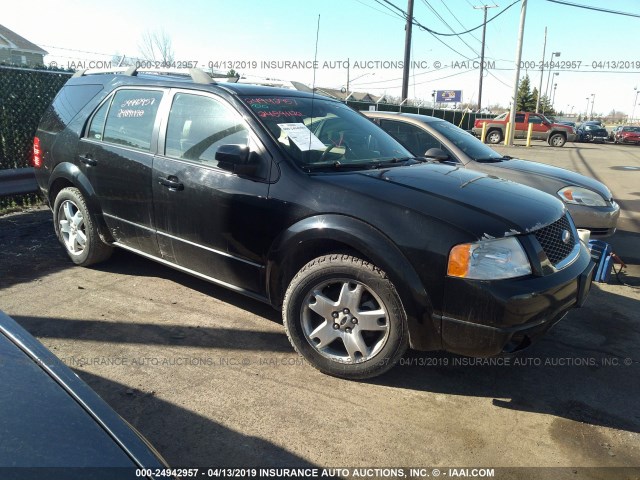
(301, 202)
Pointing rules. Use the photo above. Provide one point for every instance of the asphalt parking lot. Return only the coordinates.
(209, 377)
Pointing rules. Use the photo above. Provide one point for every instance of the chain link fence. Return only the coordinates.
(462, 119)
(24, 96)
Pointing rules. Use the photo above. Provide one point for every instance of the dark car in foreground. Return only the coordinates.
(590, 202)
(54, 426)
(299, 201)
(592, 132)
(627, 135)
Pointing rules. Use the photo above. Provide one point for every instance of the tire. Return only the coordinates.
(325, 317)
(557, 140)
(494, 137)
(76, 229)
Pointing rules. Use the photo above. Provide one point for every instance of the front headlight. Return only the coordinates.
(489, 260)
(582, 196)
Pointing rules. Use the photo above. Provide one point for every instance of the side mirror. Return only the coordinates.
(437, 154)
(235, 159)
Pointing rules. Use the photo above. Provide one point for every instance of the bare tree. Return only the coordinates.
(156, 46)
(121, 60)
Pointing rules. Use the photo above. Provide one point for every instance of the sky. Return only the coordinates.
(256, 38)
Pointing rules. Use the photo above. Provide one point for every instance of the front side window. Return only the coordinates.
(131, 118)
(199, 125)
(319, 133)
(535, 119)
(414, 138)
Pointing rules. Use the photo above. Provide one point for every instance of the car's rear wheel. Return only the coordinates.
(76, 229)
(344, 316)
(494, 137)
(557, 140)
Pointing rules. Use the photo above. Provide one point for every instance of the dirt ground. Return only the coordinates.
(209, 377)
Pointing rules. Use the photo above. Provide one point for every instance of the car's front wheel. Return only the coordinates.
(344, 316)
(557, 140)
(76, 229)
(494, 137)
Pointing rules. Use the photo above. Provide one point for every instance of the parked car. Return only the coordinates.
(628, 135)
(589, 201)
(612, 133)
(55, 426)
(592, 132)
(555, 134)
(299, 201)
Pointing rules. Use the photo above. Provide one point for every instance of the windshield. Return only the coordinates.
(466, 142)
(321, 133)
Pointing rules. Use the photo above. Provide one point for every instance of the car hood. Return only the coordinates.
(629, 134)
(562, 126)
(539, 175)
(483, 205)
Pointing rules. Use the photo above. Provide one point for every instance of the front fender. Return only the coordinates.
(322, 234)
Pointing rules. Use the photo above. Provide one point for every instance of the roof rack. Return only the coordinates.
(197, 75)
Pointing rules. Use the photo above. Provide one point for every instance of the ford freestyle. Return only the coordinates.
(297, 200)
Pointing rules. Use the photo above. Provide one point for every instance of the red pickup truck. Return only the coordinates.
(555, 134)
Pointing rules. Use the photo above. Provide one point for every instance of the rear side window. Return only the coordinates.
(69, 101)
(131, 117)
(198, 125)
(97, 123)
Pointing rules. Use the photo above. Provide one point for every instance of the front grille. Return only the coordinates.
(550, 238)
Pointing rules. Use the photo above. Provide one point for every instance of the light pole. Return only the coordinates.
(553, 54)
(546, 93)
(593, 99)
(433, 101)
(586, 110)
(633, 114)
(553, 97)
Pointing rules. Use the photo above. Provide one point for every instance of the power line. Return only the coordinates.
(400, 13)
(418, 24)
(456, 18)
(426, 2)
(377, 10)
(596, 9)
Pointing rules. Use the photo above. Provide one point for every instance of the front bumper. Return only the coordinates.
(601, 221)
(486, 318)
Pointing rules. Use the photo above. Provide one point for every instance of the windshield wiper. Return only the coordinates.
(337, 165)
(395, 161)
(493, 159)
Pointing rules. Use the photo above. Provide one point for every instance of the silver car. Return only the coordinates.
(589, 201)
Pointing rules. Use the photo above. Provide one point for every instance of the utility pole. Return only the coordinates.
(484, 31)
(512, 113)
(544, 48)
(407, 51)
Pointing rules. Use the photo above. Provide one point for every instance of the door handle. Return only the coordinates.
(87, 160)
(171, 182)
